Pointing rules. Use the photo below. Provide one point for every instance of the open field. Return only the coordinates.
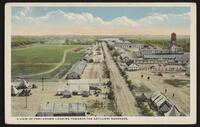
(40, 58)
(24, 69)
(40, 53)
(158, 83)
(48, 95)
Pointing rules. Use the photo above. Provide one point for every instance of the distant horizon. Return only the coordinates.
(105, 21)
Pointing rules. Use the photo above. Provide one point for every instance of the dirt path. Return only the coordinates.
(53, 69)
(124, 98)
(92, 70)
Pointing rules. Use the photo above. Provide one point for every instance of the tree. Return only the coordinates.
(115, 53)
(110, 47)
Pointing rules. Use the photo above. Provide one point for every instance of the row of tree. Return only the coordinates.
(22, 41)
(79, 41)
(164, 43)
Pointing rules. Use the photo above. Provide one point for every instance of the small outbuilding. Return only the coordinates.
(23, 84)
(67, 93)
(14, 91)
(77, 69)
(160, 102)
(131, 66)
(62, 109)
(173, 112)
(73, 89)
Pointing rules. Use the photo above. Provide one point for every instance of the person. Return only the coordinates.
(148, 77)
(142, 76)
(173, 95)
(165, 91)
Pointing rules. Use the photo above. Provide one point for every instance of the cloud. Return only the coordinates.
(60, 22)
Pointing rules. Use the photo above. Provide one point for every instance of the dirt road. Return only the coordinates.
(126, 103)
(92, 70)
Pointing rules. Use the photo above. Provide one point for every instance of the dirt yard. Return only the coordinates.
(158, 83)
(48, 95)
(93, 70)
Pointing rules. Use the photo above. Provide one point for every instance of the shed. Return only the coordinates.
(46, 109)
(90, 82)
(67, 93)
(87, 58)
(67, 90)
(14, 91)
(60, 90)
(62, 109)
(183, 58)
(23, 84)
(133, 67)
(128, 63)
(79, 89)
(173, 112)
(77, 69)
(160, 102)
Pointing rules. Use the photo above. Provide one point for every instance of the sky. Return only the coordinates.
(100, 20)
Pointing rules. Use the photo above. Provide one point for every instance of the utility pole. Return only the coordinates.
(26, 97)
(42, 83)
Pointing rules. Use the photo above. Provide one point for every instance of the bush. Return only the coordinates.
(129, 82)
(97, 104)
(111, 95)
(118, 113)
(106, 71)
(125, 77)
(110, 47)
(123, 72)
(91, 61)
(145, 109)
(22, 41)
(115, 53)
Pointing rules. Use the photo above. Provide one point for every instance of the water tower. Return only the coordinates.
(173, 42)
(173, 38)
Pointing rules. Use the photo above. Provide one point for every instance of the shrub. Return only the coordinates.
(118, 113)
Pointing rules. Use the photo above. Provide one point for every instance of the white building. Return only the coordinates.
(133, 67)
(127, 44)
(75, 89)
(98, 54)
(163, 105)
(79, 86)
(62, 109)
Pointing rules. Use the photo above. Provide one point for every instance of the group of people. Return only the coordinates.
(143, 76)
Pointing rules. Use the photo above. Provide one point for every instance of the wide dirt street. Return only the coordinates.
(126, 103)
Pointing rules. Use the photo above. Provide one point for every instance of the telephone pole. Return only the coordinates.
(42, 83)
(26, 97)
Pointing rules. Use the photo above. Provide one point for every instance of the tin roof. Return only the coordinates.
(23, 83)
(78, 67)
(62, 108)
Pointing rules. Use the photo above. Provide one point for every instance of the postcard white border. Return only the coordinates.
(131, 120)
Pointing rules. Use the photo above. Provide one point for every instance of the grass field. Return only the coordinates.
(39, 58)
(40, 53)
(72, 57)
(23, 69)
